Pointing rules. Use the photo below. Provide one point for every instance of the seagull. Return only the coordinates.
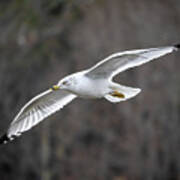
(96, 82)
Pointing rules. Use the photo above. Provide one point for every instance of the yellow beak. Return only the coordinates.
(55, 87)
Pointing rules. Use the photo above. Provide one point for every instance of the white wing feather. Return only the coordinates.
(122, 61)
(37, 109)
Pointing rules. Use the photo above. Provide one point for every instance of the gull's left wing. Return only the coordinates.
(122, 61)
(36, 110)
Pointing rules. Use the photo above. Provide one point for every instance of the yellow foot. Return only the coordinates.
(118, 94)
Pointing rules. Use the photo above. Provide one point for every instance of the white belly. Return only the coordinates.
(88, 88)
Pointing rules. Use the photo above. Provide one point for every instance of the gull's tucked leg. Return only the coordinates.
(117, 94)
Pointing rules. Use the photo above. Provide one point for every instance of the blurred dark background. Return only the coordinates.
(41, 41)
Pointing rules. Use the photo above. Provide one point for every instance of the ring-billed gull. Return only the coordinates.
(95, 82)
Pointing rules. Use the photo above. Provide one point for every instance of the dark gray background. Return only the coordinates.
(41, 41)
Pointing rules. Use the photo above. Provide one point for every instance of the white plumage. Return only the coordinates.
(95, 82)
(37, 109)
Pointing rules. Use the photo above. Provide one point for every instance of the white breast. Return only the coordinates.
(90, 88)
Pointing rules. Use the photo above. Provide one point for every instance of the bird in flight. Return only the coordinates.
(95, 82)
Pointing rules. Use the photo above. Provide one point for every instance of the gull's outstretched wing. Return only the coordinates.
(122, 61)
(36, 110)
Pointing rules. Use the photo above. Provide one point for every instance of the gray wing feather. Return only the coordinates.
(122, 61)
(39, 108)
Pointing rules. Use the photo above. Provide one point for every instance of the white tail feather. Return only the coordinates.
(128, 93)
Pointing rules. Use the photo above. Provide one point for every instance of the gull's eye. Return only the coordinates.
(64, 82)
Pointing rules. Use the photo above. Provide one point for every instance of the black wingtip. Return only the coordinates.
(4, 139)
(177, 46)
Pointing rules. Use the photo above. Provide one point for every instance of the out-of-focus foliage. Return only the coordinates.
(43, 40)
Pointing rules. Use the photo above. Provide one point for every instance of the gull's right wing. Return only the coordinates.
(122, 61)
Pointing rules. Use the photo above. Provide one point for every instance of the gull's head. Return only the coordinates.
(66, 83)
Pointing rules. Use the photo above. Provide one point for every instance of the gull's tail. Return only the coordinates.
(121, 93)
